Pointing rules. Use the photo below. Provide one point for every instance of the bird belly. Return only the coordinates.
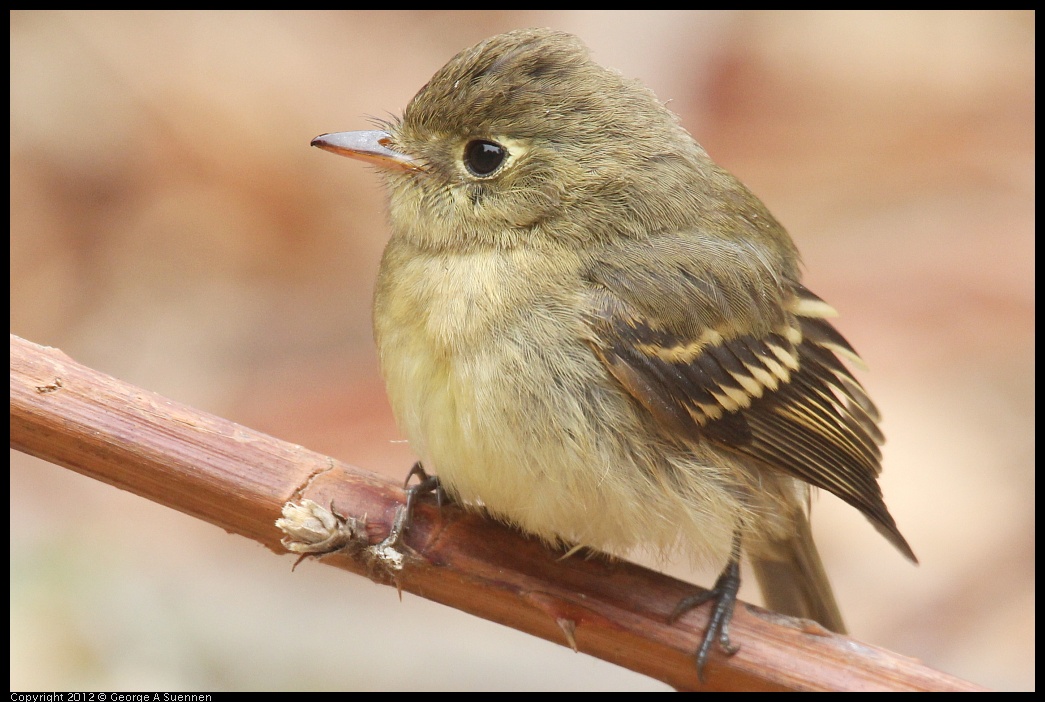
(517, 415)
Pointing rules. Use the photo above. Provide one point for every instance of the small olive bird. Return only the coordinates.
(594, 333)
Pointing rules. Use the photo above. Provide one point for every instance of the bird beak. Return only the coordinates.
(369, 146)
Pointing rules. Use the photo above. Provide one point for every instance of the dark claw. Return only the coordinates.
(724, 593)
(426, 483)
(405, 515)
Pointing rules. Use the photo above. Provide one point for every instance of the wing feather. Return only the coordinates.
(772, 389)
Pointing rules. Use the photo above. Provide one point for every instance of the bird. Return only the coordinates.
(594, 333)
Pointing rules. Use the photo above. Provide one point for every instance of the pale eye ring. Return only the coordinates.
(483, 157)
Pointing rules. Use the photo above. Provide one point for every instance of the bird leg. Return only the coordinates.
(405, 515)
(724, 594)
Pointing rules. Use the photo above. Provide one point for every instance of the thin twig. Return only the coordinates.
(240, 479)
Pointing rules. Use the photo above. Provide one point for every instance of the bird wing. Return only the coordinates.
(747, 361)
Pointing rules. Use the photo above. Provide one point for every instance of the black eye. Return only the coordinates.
(482, 157)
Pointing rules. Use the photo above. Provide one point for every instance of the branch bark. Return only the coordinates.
(239, 479)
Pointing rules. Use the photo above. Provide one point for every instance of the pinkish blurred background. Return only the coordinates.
(171, 226)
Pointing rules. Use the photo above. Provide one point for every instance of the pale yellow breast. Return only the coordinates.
(467, 342)
(493, 385)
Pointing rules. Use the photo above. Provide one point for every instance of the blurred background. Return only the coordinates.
(171, 226)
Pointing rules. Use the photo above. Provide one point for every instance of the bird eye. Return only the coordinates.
(482, 158)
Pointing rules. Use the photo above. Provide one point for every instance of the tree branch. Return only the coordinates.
(239, 480)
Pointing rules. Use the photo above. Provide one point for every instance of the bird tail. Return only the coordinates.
(794, 582)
